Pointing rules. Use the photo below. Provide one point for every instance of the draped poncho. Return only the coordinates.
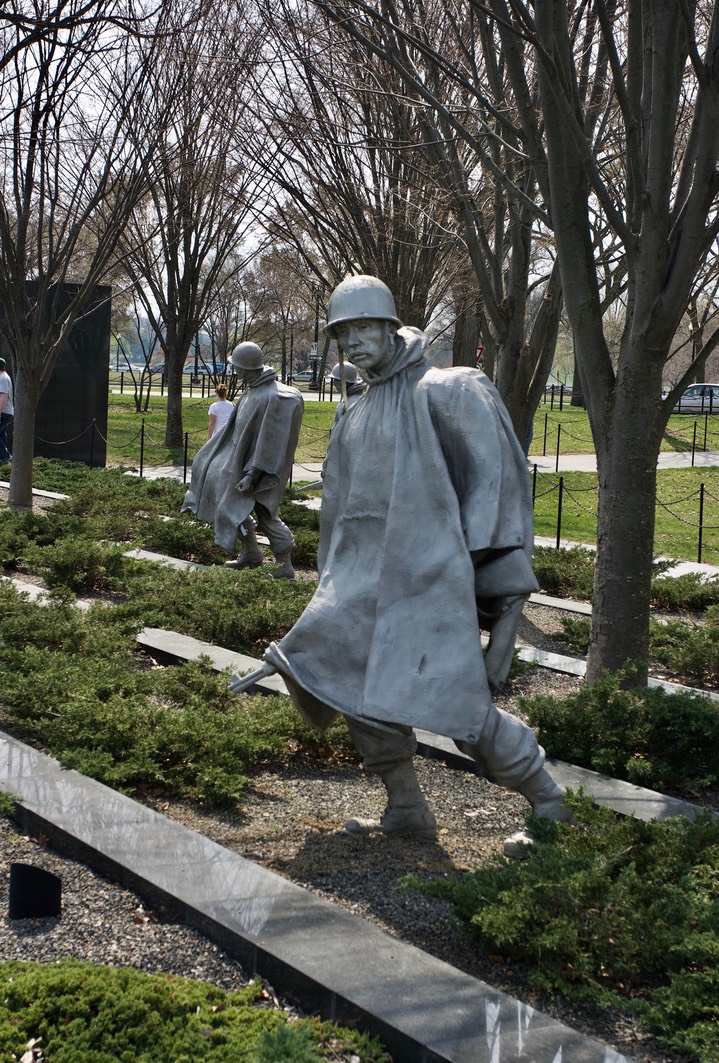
(426, 514)
(260, 436)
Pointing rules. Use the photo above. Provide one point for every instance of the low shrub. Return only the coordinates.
(668, 742)
(18, 531)
(78, 563)
(617, 912)
(569, 573)
(692, 591)
(74, 684)
(575, 633)
(689, 650)
(239, 610)
(183, 537)
(73, 1010)
(564, 573)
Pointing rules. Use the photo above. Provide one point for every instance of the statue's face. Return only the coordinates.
(367, 342)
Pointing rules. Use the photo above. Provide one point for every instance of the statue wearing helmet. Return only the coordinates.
(354, 387)
(247, 356)
(426, 535)
(360, 297)
(243, 469)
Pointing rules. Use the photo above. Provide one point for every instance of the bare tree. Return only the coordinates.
(655, 185)
(146, 341)
(360, 196)
(479, 136)
(197, 226)
(71, 87)
(613, 114)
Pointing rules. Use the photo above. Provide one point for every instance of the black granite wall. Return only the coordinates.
(72, 413)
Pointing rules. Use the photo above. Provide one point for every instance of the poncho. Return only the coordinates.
(426, 515)
(261, 435)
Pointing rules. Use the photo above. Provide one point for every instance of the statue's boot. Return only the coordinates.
(285, 571)
(251, 555)
(407, 810)
(547, 801)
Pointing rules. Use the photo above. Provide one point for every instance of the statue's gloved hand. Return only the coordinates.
(245, 485)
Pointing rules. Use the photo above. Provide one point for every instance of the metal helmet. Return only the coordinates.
(360, 297)
(350, 373)
(247, 356)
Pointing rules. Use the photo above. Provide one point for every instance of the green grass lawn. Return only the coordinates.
(570, 427)
(126, 436)
(677, 517)
(677, 532)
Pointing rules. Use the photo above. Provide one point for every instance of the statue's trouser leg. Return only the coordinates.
(281, 540)
(509, 754)
(389, 753)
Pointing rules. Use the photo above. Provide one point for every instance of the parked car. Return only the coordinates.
(303, 377)
(204, 370)
(699, 398)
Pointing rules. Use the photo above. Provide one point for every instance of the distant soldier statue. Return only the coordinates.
(426, 537)
(354, 386)
(244, 468)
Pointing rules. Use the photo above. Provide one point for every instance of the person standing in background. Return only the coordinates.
(219, 412)
(7, 410)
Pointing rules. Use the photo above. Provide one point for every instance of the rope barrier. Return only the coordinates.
(676, 501)
(591, 512)
(682, 520)
(191, 447)
(554, 487)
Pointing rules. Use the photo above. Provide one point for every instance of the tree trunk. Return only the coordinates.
(627, 464)
(466, 327)
(577, 386)
(173, 425)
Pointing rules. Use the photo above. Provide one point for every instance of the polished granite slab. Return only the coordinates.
(171, 644)
(331, 961)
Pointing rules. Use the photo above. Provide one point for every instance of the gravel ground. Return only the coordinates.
(292, 823)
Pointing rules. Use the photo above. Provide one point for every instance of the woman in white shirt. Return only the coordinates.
(219, 411)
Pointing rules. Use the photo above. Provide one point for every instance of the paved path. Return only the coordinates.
(703, 459)
(310, 471)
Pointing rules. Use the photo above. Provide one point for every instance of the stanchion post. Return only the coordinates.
(706, 430)
(561, 397)
(534, 484)
(122, 382)
(142, 447)
(694, 443)
(184, 467)
(559, 511)
(559, 438)
(701, 523)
